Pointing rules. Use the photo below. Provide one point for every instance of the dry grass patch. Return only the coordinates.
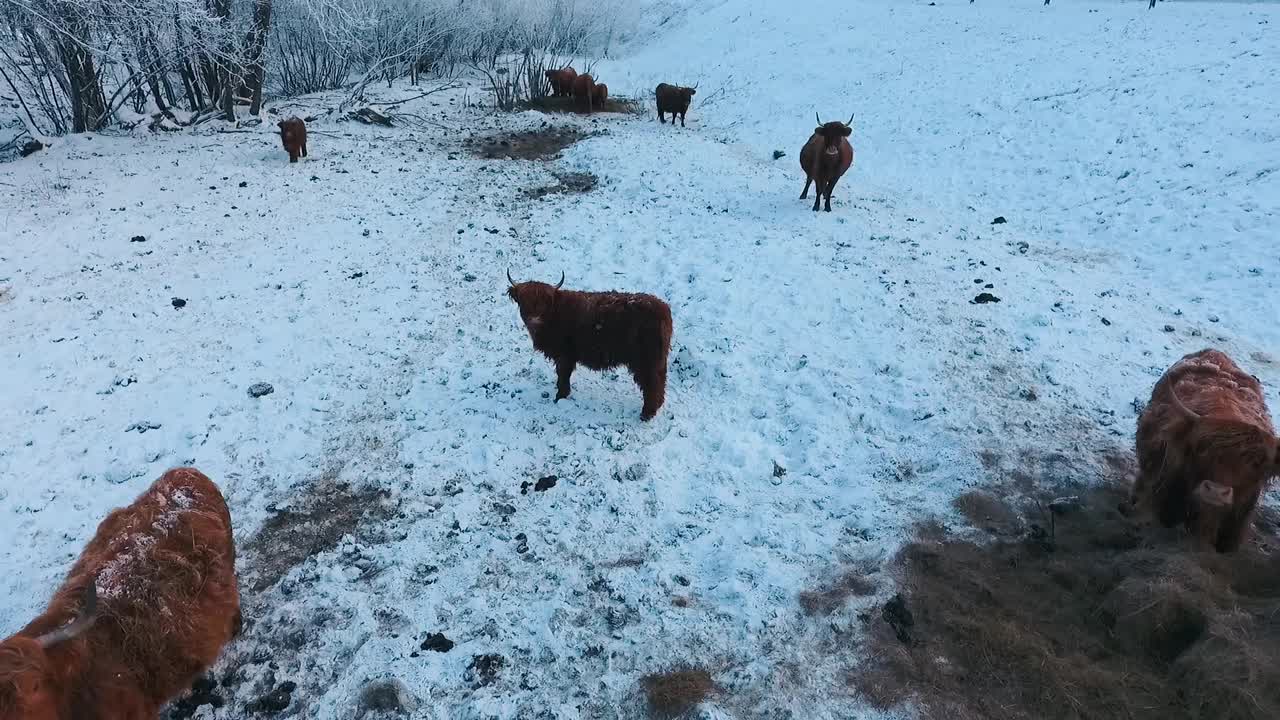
(676, 693)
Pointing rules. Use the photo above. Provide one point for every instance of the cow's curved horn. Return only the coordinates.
(817, 117)
(1182, 408)
(561, 283)
(88, 614)
(848, 124)
(513, 282)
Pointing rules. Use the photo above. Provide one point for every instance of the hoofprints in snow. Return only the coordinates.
(1128, 151)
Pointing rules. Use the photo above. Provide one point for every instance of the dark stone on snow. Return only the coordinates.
(778, 154)
(138, 238)
(437, 642)
(999, 220)
(984, 298)
(257, 390)
(545, 483)
(178, 303)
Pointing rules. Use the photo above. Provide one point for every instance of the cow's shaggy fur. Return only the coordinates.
(1206, 449)
(293, 133)
(825, 159)
(146, 609)
(673, 99)
(600, 330)
(601, 96)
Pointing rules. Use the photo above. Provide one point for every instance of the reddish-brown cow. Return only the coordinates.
(601, 330)
(673, 99)
(584, 91)
(1206, 449)
(601, 96)
(825, 159)
(562, 81)
(293, 133)
(144, 611)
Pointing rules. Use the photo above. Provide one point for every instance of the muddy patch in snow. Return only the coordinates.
(314, 523)
(619, 105)
(1070, 607)
(545, 143)
(567, 183)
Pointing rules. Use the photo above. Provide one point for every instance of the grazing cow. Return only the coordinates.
(562, 81)
(675, 100)
(600, 96)
(293, 133)
(1206, 449)
(584, 90)
(143, 612)
(601, 330)
(825, 158)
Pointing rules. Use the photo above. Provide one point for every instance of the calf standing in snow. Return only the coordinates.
(601, 95)
(825, 158)
(675, 100)
(601, 330)
(143, 612)
(1206, 449)
(293, 133)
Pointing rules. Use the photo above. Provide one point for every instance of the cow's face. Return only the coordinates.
(833, 133)
(536, 301)
(686, 95)
(26, 692)
(1235, 455)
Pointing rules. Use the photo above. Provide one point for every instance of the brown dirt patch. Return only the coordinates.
(566, 184)
(541, 144)
(676, 693)
(618, 105)
(1084, 613)
(315, 523)
(831, 597)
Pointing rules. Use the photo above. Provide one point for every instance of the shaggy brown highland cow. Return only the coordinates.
(601, 96)
(143, 612)
(675, 100)
(584, 92)
(1206, 449)
(293, 133)
(825, 159)
(601, 330)
(562, 81)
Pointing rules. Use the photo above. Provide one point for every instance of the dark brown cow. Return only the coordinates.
(825, 159)
(293, 133)
(601, 96)
(562, 81)
(600, 330)
(1206, 449)
(675, 100)
(584, 91)
(143, 612)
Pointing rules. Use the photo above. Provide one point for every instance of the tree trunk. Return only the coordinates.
(257, 43)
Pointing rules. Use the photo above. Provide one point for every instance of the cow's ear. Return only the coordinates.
(692, 91)
(846, 131)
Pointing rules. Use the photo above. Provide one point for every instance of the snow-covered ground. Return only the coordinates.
(831, 383)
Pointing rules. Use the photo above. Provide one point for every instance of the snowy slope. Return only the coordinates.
(1132, 153)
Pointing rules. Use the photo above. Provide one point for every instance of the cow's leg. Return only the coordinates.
(807, 182)
(819, 188)
(653, 384)
(831, 186)
(681, 120)
(293, 155)
(304, 148)
(564, 369)
(662, 118)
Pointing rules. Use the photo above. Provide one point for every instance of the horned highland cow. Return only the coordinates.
(675, 100)
(146, 609)
(1206, 449)
(293, 133)
(825, 158)
(600, 330)
(562, 81)
(584, 92)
